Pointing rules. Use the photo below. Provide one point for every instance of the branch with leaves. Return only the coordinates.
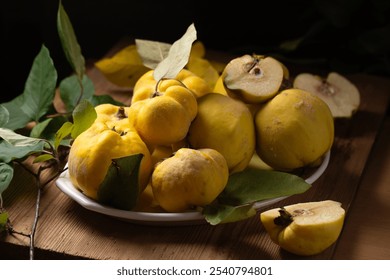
(52, 131)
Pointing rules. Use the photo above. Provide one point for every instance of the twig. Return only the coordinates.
(35, 223)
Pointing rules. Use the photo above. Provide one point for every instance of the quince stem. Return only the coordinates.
(121, 113)
(157, 93)
(284, 219)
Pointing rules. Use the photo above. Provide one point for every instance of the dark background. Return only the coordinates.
(348, 36)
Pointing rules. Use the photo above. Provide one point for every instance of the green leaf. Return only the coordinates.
(6, 175)
(104, 99)
(120, 187)
(152, 52)
(39, 128)
(16, 117)
(40, 86)
(247, 187)
(4, 115)
(42, 158)
(64, 131)
(3, 220)
(18, 140)
(16, 146)
(48, 128)
(83, 116)
(70, 91)
(69, 42)
(8, 152)
(178, 56)
(252, 185)
(217, 214)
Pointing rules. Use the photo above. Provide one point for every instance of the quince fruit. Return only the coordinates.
(108, 138)
(252, 78)
(294, 129)
(146, 85)
(305, 228)
(341, 95)
(165, 117)
(226, 125)
(190, 178)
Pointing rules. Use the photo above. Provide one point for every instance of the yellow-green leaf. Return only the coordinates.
(42, 158)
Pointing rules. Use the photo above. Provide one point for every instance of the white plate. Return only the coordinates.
(64, 184)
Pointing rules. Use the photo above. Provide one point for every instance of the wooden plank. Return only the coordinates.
(367, 228)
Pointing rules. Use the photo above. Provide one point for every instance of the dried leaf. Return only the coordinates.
(152, 52)
(178, 56)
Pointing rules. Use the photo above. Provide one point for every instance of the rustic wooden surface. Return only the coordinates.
(357, 176)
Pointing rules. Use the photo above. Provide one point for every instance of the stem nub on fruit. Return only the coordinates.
(284, 219)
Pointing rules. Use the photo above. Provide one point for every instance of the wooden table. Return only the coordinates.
(358, 176)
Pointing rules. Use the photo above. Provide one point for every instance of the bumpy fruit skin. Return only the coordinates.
(145, 87)
(226, 125)
(109, 137)
(293, 130)
(315, 226)
(165, 118)
(189, 179)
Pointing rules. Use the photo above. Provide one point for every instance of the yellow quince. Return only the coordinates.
(305, 228)
(108, 138)
(190, 178)
(145, 87)
(294, 129)
(164, 117)
(226, 125)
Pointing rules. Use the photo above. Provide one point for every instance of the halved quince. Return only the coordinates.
(305, 228)
(254, 78)
(341, 95)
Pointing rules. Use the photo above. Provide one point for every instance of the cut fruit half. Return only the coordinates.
(254, 78)
(341, 95)
(305, 228)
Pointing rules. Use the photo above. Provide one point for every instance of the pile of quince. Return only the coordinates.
(193, 133)
(192, 136)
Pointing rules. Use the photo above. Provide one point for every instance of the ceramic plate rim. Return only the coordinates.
(64, 184)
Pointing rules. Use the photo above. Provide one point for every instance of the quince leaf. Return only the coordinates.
(152, 52)
(4, 116)
(16, 146)
(178, 56)
(249, 186)
(39, 128)
(6, 175)
(120, 187)
(83, 116)
(218, 214)
(38, 95)
(103, 99)
(64, 131)
(70, 90)
(252, 185)
(16, 117)
(69, 42)
(39, 90)
(3, 219)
